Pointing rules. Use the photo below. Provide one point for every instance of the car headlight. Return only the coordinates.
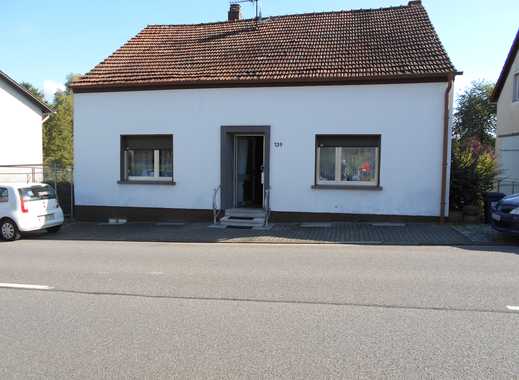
(515, 211)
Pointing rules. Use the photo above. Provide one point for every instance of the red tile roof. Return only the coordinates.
(358, 45)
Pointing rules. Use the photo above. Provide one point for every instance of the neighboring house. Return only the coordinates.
(21, 120)
(506, 94)
(339, 114)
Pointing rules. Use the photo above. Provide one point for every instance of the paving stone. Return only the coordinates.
(340, 232)
(485, 234)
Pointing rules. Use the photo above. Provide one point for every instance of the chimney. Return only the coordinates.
(235, 12)
(415, 2)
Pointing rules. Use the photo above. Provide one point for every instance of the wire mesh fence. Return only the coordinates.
(61, 178)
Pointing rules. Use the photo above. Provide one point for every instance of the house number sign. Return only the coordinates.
(278, 144)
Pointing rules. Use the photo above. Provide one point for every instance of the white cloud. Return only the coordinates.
(50, 87)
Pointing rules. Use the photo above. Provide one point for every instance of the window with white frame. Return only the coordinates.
(147, 158)
(516, 88)
(348, 160)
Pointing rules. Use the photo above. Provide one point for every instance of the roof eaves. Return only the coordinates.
(42, 106)
(506, 69)
(161, 85)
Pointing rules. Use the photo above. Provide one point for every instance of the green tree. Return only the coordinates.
(57, 133)
(36, 92)
(58, 130)
(475, 116)
(473, 172)
(473, 164)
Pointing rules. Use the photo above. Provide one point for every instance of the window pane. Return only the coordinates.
(358, 164)
(140, 163)
(37, 193)
(166, 163)
(4, 195)
(327, 164)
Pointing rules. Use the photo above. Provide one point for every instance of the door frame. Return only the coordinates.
(227, 148)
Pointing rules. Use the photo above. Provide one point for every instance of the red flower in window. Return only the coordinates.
(365, 167)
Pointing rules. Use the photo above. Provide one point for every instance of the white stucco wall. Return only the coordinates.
(408, 116)
(507, 109)
(508, 149)
(507, 142)
(21, 133)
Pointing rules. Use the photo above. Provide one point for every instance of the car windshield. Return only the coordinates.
(37, 193)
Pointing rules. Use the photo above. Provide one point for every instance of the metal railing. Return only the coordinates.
(507, 187)
(61, 178)
(216, 210)
(266, 206)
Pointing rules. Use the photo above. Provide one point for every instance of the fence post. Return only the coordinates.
(33, 172)
(71, 194)
(55, 170)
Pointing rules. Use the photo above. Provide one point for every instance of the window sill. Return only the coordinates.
(151, 182)
(347, 187)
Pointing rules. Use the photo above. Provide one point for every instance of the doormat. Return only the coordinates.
(388, 224)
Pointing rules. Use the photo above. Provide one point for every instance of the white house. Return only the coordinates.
(321, 116)
(21, 119)
(506, 94)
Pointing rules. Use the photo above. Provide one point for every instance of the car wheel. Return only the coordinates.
(53, 230)
(8, 230)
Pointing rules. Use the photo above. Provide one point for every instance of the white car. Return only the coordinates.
(26, 207)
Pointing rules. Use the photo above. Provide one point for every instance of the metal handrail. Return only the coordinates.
(266, 202)
(216, 211)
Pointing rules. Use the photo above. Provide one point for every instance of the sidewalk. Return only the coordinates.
(321, 233)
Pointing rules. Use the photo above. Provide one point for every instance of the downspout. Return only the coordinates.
(446, 137)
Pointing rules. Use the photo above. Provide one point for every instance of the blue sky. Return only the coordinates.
(42, 41)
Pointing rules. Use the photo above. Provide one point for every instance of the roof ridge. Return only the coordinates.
(359, 10)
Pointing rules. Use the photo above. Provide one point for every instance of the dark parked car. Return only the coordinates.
(505, 215)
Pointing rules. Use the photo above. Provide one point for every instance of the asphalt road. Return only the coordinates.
(162, 310)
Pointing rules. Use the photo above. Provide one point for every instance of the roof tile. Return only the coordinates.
(331, 46)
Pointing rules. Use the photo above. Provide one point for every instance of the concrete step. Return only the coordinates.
(245, 213)
(254, 222)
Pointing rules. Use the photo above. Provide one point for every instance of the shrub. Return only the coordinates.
(473, 173)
